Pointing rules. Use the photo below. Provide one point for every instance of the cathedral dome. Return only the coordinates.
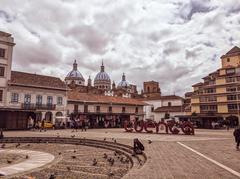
(74, 75)
(123, 83)
(102, 80)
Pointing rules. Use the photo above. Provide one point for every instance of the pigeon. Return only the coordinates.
(94, 162)
(52, 176)
(59, 153)
(74, 157)
(74, 151)
(68, 168)
(27, 157)
(115, 141)
(18, 145)
(9, 161)
(149, 141)
(104, 155)
(104, 139)
(110, 174)
(72, 136)
(28, 145)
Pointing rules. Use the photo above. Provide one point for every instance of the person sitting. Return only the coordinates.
(137, 146)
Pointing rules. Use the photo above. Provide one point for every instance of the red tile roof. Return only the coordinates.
(170, 109)
(34, 80)
(167, 97)
(197, 84)
(234, 51)
(74, 95)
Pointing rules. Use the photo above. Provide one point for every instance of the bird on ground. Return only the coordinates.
(9, 161)
(52, 176)
(105, 155)
(28, 145)
(110, 174)
(68, 168)
(104, 139)
(94, 162)
(74, 157)
(115, 141)
(59, 153)
(27, 157)
(149, 141)
(18, 145)
(72, 136)
(74, 151)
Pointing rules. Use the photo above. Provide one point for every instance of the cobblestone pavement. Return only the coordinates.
(166, 158)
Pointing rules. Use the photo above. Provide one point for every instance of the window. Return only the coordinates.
(98, 108)
(212, 98)
(208, 107)
(39, 100)
(210, 90)
(169, 104)
(1, 95)
(232, 107)
(85, 108)
(123, 109)
(230, 79)
(2, 70)
(75, 108)
(49, 100)
(238, 78)
(110, 109)
(231, 89)
(136, 110)
(231, 97)
(228, 59)
(59, 100)
(27, 99)
(2, 52)
(230, 71)
(14, 98)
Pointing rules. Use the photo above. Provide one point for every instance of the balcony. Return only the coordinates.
(31, 106)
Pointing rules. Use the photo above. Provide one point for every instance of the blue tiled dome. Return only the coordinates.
(74, 74)
(102, 76)
(123, 83)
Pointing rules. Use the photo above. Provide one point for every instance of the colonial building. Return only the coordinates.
(151, 89)
(104, 111)
(163, 107)
(25, 95)
(218, 96)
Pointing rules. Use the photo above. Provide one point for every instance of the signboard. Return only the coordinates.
(160, 127)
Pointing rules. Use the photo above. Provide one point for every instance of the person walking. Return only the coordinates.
(236, 134)
(138, 147)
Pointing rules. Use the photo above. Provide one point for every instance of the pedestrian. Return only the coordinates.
(1, 133)
(83, 124)
(236, 134)
(137, 146)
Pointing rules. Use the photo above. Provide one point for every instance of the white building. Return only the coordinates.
(162, 106)
(25, 95)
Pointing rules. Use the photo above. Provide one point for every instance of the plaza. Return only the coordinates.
(207, 154)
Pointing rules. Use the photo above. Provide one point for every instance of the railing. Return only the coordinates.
(31, 106)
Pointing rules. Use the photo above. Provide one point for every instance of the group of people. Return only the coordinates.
(77, 123)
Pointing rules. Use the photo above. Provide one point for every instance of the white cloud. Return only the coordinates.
(175, 42)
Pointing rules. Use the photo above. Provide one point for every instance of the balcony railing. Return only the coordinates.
(31, 106)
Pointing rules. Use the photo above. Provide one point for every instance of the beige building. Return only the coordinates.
(103, 111)
(218, 96)
(25, 95)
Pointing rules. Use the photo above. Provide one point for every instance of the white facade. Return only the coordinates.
(6, 48)
(164, 101)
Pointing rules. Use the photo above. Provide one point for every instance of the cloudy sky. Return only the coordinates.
(174, 42)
